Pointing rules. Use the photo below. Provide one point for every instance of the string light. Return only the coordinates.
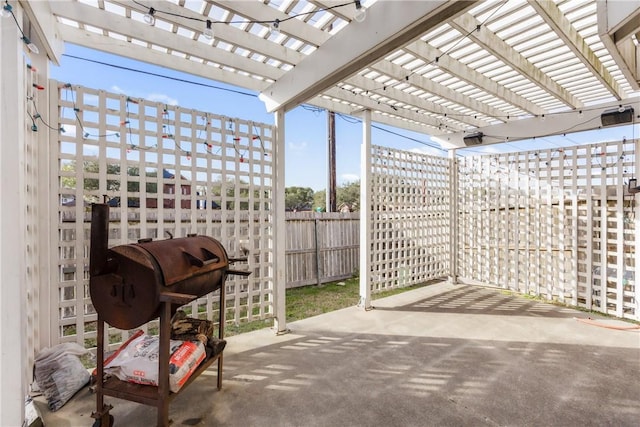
(149, 17)
(34, 127)
(38, 116)
(275, 27)
(7, 11)
(361, 12)
(208, 32)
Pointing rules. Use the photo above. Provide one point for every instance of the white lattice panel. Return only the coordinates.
(168, 171)
(556, 223)
(410, 218)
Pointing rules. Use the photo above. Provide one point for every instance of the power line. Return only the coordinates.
(149, 73)
(355, 120)
(408, 137)
(239, 92)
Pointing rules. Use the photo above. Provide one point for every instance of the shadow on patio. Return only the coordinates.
(436, 356)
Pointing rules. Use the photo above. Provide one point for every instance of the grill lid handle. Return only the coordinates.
(197, 262)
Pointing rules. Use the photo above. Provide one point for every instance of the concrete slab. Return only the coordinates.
(442, 355)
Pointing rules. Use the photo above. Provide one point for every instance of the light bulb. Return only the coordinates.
(149, 18)
(208, 32)
(7, 10)
(32, 47)
(361, 12)
(275, 27)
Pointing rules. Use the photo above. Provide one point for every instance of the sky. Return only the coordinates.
(305, 126)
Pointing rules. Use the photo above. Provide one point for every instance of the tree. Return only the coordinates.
(320, 200)
(298, 198)
(349, 194)
(113, 185)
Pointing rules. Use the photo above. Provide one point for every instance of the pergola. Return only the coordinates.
(463, 72)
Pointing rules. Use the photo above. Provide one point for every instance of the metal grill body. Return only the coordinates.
(127, 292)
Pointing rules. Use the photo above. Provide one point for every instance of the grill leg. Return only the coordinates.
(101, 415)
(222, 320)
(163, 368)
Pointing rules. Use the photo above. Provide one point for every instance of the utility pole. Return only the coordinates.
(331, 146)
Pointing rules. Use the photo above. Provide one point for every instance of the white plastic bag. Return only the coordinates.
(59, 373)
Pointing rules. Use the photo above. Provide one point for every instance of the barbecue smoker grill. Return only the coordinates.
(133, 284)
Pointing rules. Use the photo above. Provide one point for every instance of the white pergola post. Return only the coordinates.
(12, 225)
(365, 214)
(48, 239)
(454, 217)
(637, 226)
(278, 226)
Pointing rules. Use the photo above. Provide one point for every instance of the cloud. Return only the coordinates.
(155, 97)
(160, 97)
(301, 146)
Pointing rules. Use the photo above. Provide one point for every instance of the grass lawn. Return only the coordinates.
(308, 301)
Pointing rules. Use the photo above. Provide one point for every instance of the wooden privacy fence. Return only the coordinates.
(321, 247)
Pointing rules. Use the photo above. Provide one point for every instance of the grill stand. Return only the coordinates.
(159, 396)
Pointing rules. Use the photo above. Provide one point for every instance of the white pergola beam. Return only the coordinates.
(541, 126)
(370, 104)
(467, 24)
(44, 25)
(194, 21)
(388, 26)
(456, 68)
(140, 53)
(406, 98)
(390, 69)
(617, 21)
(347, 109)
(261, 12)
(555, 19)
(137, 30)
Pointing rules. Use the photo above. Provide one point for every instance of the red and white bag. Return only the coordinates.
(137, 360)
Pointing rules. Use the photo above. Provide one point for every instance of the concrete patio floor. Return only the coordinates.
(442, 355)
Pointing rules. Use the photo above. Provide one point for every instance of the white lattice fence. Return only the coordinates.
(410, 218)
(168, 171)
(554, 223)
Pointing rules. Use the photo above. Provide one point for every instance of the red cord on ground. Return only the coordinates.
(590, 321)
